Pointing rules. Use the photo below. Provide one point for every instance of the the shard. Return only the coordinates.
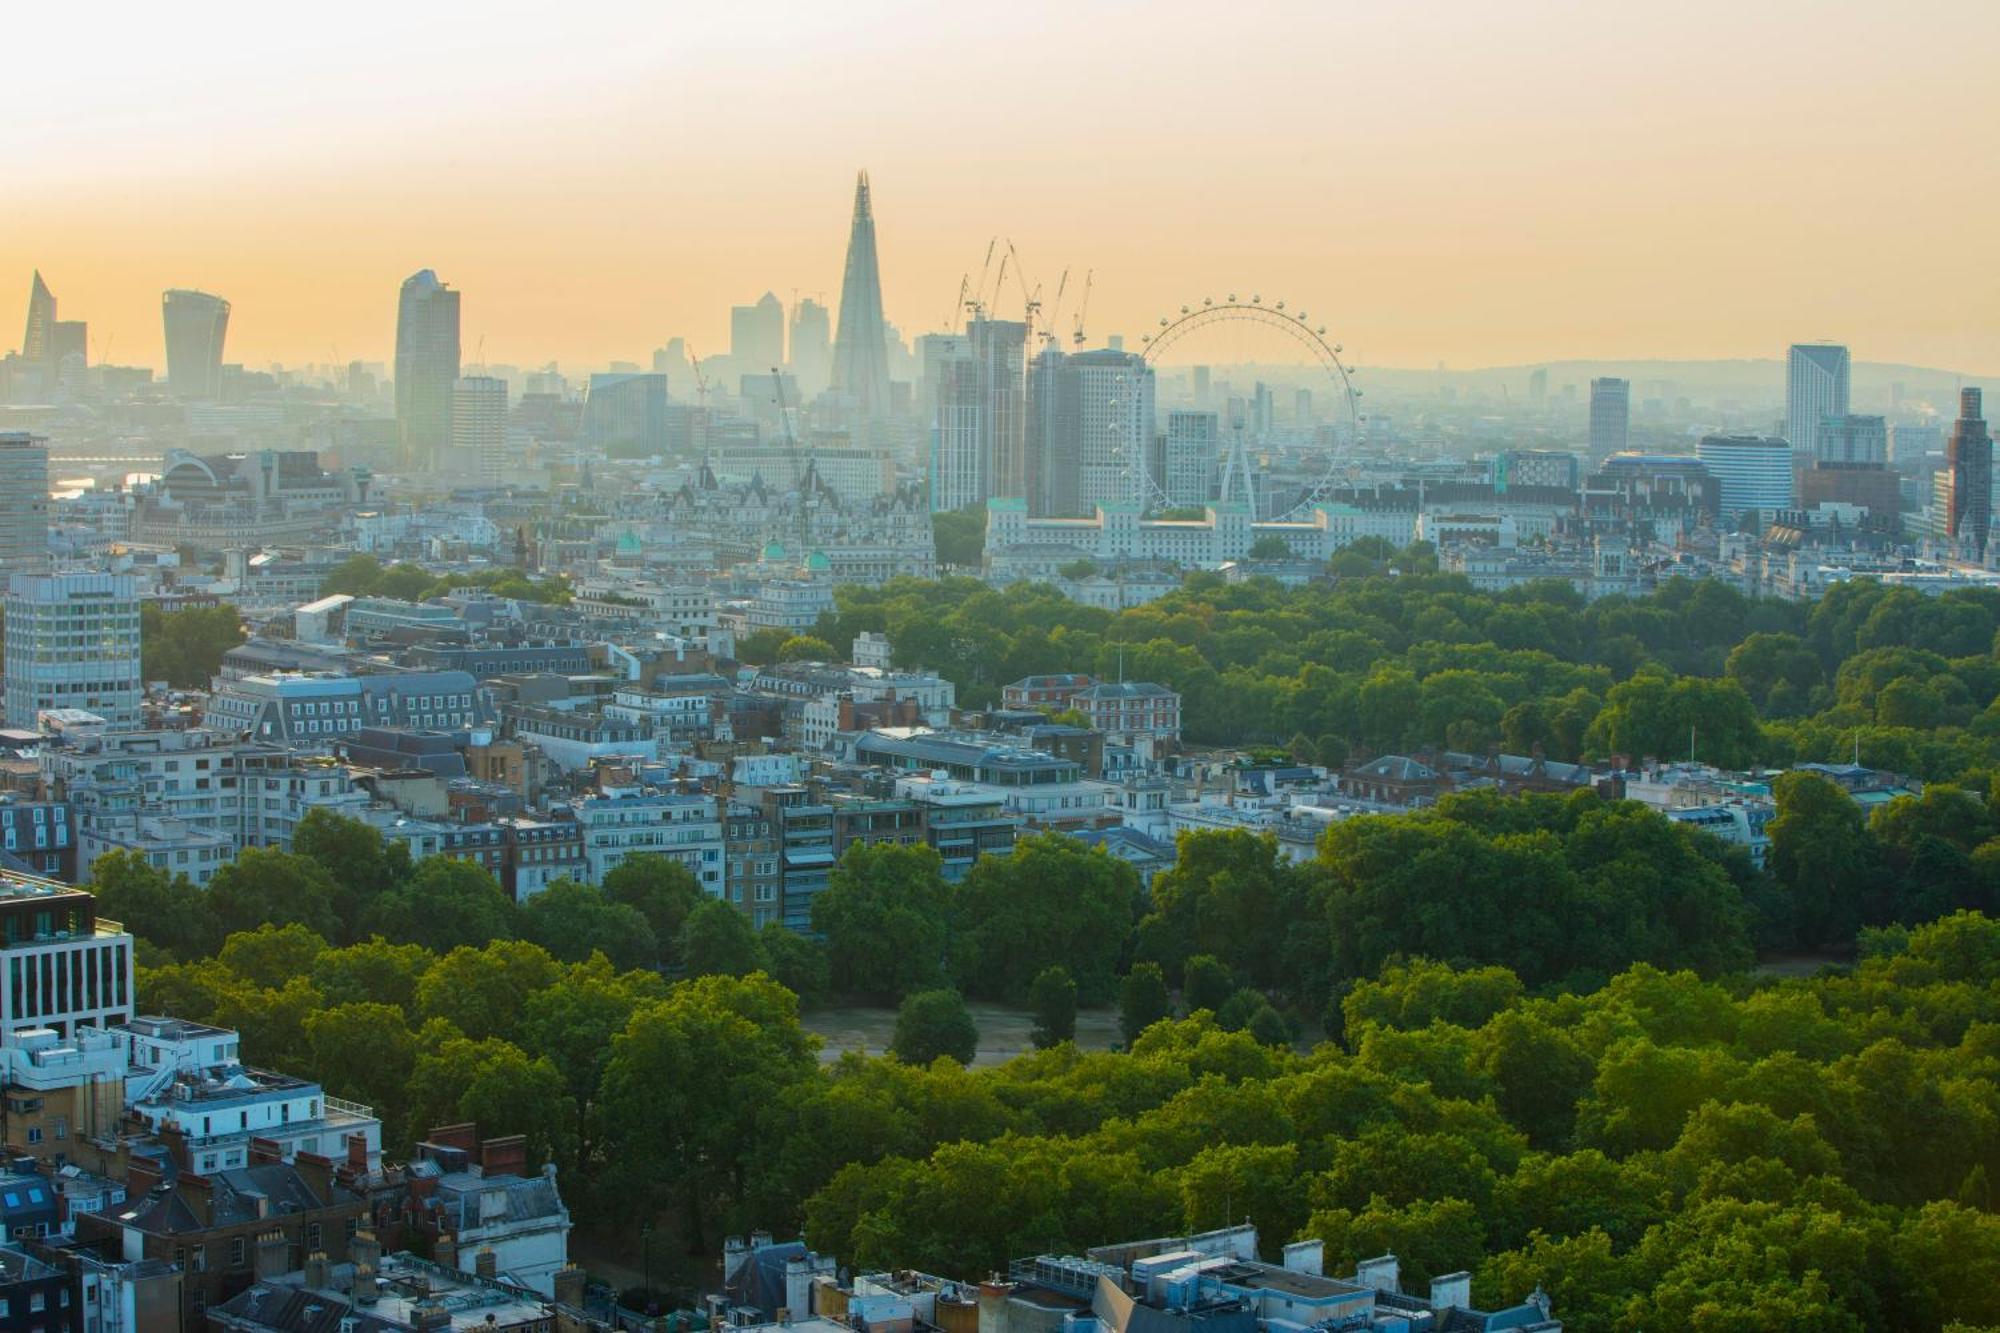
(38, 344)
(861, 346)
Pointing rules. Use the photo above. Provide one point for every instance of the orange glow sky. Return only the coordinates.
(1477, 182)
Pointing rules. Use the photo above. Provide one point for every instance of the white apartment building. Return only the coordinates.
(623, 821)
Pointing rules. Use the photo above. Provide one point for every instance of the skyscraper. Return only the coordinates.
(479, 427)
(1610, 415)
(957, 413)
(757, 335)
(426, 369)
(812, 348)
(24, 504)
(1969, 467)
(1091, 427)
(196, 324)
(1000, 352)
(38, 343)
(1851, 441)
(861, 348)
(1815, 388)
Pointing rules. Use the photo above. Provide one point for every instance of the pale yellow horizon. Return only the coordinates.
(1475, 183)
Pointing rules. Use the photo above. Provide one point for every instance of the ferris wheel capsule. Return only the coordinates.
(1184, 310)
(1281, 305)
(1163, 321)
(1232, 298)
(1208, 300)
(1256, 300)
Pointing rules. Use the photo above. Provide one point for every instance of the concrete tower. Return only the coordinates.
(860, 347)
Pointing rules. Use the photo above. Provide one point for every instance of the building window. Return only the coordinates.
(312, 1237)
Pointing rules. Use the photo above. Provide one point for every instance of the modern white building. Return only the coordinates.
(1755, 472)
(73, 642)
(65, 967)
(190, 1076)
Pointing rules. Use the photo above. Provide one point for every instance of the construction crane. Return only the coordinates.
(700, 422)
(979, 293)
(1031, 300)
(1055, 308)
(799, 465)
(951, 321)
(1082, 308)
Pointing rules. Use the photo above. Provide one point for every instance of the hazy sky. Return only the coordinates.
(1476, 182)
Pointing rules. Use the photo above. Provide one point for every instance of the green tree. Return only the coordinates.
(484, 992)
(885, 917)
(806, 648)
(794, 962)
(932, 1023)
(374, 970)
(1822, 857)
(1270, 547)
(364, 1051)
(1052, 999)
(264, 886)
(353, 853)
(1206, 983)
(660, 887)
(167, 910)
(677, 1138)
(272, 955)
(960, 535)
(1054, 902)
(1144, 1000)
(185, 648)
(717, 940)
(573, 921)
(445, 904)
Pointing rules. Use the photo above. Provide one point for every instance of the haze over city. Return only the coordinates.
(1471, 183)
(1096, 667)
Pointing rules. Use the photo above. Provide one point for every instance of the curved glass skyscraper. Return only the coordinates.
(196, 324)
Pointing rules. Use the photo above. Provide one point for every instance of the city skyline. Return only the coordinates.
(1340, 166)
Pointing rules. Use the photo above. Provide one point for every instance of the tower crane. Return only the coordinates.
(1082, 308)
(799, 466)
(701, 398)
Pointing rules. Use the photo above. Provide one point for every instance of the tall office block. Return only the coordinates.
(999, 350)
(1187, 462)
(72, 642)
(479, 428)
(1091, 424)
(1815, 388)
(1969, 476)
(757, 334)
(196, 326)
(957, 410)
(426, 369)
(811, 348)
(626, 414)
(1610, 415)
(1755, 472)
(861, 348)
(24, 504)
